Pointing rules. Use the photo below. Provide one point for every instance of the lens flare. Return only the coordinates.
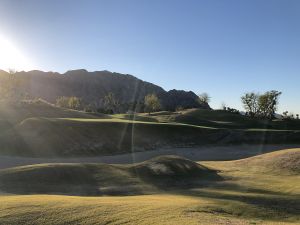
(11, 57)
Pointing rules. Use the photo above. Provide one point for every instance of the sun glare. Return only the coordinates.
(11, 57)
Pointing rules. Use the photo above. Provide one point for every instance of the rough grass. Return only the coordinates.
(39, 137)
(266, 186)
(66, 137)
(102, 179)
(283, 162)
(154, 209)
(242, 197)
(219, 119)
(14, 113)
(151, 209)
(42, 130)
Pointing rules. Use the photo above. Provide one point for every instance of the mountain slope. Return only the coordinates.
(92, 87)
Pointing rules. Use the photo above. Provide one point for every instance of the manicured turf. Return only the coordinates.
(259, 195)
(102, 179)
(88, 137)
(219, 119)
(42, 130)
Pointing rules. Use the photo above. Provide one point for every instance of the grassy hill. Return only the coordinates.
(217, 119)
(282, 162)
(241, 196)
(88, 137)
(12, 113)
(103, 179)
(40, 129)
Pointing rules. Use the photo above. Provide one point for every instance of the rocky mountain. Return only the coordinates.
(92, 87)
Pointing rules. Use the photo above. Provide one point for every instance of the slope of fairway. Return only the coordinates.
(149, 209)
(216, 117)
(158, 209)
(40, 137)
(219, 119)
(102, 179)
(86, 137)
(275, 172)
(242, 197)
(39, 129)
(284, 161)
(12, 113)
(203, 117)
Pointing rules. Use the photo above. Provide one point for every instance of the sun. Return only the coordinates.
(11, 57)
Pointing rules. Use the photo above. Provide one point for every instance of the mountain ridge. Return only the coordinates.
(92, 87)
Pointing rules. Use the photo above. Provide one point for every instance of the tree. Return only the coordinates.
(297, 116)
(285, 114)
(69, 102)
(223, 106)
(204, 98)
(263, 106)
(11, 87)
(268, 103)
(74, 103)
(232, 110)
(12, 71)
(250, 102)
(111, 103)
(62, 102)
(152, 103)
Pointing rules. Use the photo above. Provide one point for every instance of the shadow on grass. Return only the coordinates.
(254, 203)
(139, 118)
(166, 174)
(161, 173)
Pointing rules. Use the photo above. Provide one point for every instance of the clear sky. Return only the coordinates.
(222, 47)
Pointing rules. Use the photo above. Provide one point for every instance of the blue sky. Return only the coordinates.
(222, 47)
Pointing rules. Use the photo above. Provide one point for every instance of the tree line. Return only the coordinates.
(110, 104)
(261, 105)
(256, 105)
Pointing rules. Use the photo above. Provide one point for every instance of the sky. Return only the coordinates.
(222, 47)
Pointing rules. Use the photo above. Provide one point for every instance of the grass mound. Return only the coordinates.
(217, 118)
(247, 197)
(104, 179)
(222, 119)
(44, 178)
(39, 129)
(50, 137)
(284, 161)
(171, 166)
(14, 113)
(40, 137)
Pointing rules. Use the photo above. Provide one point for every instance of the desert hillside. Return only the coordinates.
(92, 87)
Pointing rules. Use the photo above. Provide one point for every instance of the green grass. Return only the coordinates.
(13, 113)
(134, 117)
(257, 190)
(88, 137)
(42, 130)
(102, 179)
(154, 209)
(218, 119)
(65, 137)
(276, 172)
